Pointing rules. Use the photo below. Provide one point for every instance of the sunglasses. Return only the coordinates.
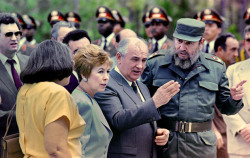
(248, 39)
(10, 34)
(147, 25)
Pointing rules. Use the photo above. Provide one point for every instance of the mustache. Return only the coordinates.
(182, 51)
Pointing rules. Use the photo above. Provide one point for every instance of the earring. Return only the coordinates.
(85, 79)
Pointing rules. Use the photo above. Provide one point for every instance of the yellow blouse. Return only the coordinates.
(38, 105)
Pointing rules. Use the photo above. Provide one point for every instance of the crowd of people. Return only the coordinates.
(122, 96)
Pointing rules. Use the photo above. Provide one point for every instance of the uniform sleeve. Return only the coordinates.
(147, 76)
(225, 103)
(59, 104)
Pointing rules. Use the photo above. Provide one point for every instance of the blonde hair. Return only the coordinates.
(88, 57)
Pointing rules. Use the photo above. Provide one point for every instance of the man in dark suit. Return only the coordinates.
(105, 24)
(130, 111)
(11, 64)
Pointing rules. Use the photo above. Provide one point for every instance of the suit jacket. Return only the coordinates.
(236, 144)
(8, 93)
(73, 83)
(111, 49)
(132, 121)
(97, 134)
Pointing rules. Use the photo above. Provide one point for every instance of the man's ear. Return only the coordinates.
(118, 57)
(201, 43)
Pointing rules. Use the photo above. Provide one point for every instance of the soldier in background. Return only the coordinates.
(105, 24)
(146, 21)
(159, 26)
(243, 55)
(28, 40)
(54, 17)
(120, 23)
(213, 22)
(73, 18)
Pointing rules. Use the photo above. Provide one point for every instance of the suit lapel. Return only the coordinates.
(125, 86)
(5, 78)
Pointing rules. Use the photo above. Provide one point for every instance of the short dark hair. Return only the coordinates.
(75, 35)
(49, 61)
(7, 18)
(221, 41)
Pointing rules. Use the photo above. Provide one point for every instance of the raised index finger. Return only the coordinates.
(241, 83)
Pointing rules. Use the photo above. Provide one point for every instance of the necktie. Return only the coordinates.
(105, 42)
(207, 48)
(156, 47)
(135, 90)
(15, 75)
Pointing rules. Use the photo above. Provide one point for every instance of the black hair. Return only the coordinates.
(7, 18)
(221, 41)
(49, 61)
(76, 35)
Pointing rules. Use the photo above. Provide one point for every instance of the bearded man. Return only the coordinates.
(188, 115)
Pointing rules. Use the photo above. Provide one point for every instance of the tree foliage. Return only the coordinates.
(132, 10)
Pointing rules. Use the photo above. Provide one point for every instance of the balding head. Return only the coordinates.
(125, 33)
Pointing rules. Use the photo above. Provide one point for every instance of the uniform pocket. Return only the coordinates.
(208, 137)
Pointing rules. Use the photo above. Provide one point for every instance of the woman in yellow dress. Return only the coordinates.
(47, 116)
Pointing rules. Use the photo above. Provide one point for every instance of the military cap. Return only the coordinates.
(189, 29)
(197, 16)
(30, 21)
(145, 19)
(159, 14)
(118, 17)
(55, 16)
(246, 16)
(104, 13)
(73, 17)
(20, 19)
(210, 15)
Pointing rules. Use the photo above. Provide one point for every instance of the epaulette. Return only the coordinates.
(214, 58)
(156, 54)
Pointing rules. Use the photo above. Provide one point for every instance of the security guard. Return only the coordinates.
(213, 22)
(159, 25)
(73, 18)
(203, 83)
(243, 55)
(28, 40)
(54, 17)
(146, 22)
(105, 24)
(120, 23)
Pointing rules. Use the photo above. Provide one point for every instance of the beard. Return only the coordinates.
(187, 63)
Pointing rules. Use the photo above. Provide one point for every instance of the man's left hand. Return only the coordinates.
(237, 91)
(162, 136)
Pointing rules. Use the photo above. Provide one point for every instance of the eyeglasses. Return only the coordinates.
(10, 34)
(147, 25)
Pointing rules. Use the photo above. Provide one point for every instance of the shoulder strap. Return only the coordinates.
(9, 119)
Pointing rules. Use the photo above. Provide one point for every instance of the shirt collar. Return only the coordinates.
(109, 38)
(160, 41)
(4, 59)
(117, 70)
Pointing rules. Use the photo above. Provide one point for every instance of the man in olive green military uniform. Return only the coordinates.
(203, 83)
(105, 24)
